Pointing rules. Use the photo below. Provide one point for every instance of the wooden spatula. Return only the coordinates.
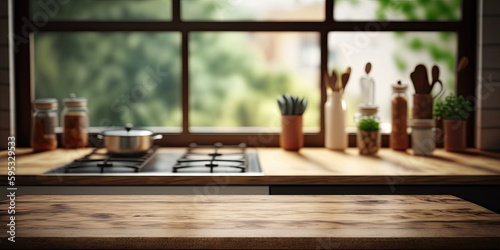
(345, 78)
(333, 83)
(422, 79)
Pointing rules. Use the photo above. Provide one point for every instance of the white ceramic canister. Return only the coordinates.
(423, 136)
(335, 114)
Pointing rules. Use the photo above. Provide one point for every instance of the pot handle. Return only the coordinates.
(157, 137)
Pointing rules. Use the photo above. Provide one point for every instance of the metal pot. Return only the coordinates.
(128, 140)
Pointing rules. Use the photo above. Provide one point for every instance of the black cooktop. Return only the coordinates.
(217, 159)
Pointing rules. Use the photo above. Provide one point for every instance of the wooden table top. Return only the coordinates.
(311, 166)
(301, 222)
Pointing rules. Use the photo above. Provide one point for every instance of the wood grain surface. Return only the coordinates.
(304, 222)
(310, 166)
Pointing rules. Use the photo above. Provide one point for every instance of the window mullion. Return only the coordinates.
(176, 11)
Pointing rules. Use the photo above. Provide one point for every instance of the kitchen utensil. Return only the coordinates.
(345, 78)
(435, 79)
(128, 140)
(333, 83)
(462, 64)
(413, 78)
(328, 80)
(422, 79)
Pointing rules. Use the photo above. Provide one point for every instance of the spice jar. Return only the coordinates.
(399, 112)
(423, 138)
(75, 122)
(43, 125)
(367, 122)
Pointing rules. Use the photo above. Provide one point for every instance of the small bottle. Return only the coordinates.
(75, 122)
(399, 112)
(43, 125)
(367, 122)
(368, 87)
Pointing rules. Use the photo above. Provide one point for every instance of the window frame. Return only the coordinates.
(466, 30)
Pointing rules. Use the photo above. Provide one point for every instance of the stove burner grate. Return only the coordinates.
(236, 159)
(135, 162)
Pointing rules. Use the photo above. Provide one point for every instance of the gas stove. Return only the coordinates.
(196, 160)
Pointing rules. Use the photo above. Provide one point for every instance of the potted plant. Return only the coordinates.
(292, 108)
(455, 112)
(368, 136)
(438, 117)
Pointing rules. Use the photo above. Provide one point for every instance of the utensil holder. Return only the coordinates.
(292, 136)
(422, 106)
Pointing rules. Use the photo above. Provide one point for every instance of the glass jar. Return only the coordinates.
(75, 122)
(368, 122)
(399, 112)
(43, 125)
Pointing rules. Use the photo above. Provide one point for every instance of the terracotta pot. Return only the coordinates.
(292, 136)
(455, 135)
(422, 106)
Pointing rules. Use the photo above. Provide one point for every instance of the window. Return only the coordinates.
(210, 70)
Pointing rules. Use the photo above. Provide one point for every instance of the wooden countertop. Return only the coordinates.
(311, 166)
(270, 222)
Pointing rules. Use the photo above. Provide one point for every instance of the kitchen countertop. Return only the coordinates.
(235, 222)
(311, 166)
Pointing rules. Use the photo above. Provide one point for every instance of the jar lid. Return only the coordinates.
(74, 101)
(399, 88)
(45, 103)
(426, 123)
(368, 109)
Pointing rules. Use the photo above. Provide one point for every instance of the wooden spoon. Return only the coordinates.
(333, 83)
(414, 81)
(435, 79)
(462, 64)
(345, 78)
(422, 79)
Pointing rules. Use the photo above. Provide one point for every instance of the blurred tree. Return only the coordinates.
(229, 84)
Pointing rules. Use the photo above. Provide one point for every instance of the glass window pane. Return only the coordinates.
(101, 10)
(258, 10)
(235, 78)
(394, 56)
(398, 10)
(127, 77)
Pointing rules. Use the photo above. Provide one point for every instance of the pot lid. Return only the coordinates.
(128, 131)
(427, 123)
